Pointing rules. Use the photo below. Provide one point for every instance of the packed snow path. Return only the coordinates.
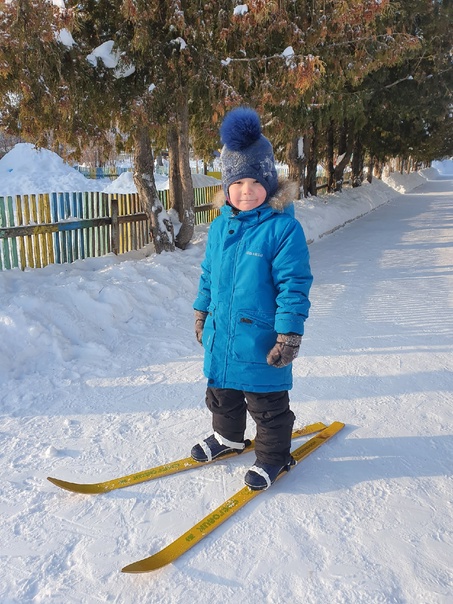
(101, 376)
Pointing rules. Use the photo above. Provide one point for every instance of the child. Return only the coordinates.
(252, 303)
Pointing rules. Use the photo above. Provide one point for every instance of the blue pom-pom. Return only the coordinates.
(240, 129)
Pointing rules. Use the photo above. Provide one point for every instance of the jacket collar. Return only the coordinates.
(249, 217)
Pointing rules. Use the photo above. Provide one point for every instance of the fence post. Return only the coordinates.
(115, 234)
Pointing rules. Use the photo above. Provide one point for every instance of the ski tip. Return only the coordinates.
(338, 425)
(332, 428)
(130, 569)
(142, 566)
(56, 481)
(62, 484)
(74, 487)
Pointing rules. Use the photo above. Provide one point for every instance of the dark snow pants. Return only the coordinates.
(270, 411)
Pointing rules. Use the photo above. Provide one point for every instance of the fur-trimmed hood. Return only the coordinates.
(285, 195)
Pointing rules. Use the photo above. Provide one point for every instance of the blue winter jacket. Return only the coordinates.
(254, 285)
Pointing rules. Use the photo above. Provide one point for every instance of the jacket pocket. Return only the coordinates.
(209, 331)
(254, 336)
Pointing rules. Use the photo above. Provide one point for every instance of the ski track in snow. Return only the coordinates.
(102, 376)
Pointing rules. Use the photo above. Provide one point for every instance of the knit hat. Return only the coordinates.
(246, 152)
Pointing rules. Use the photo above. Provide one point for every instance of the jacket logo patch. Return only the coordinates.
(254, 254)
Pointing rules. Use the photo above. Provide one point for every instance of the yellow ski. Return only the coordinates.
(226, 510)
(165, 470)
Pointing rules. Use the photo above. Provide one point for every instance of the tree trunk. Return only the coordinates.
(330, 162)
(161, 227)
(378, 168)
(357, 162)
(369, 170)
(344, 156)
(296, 162)
(174, 177)
(182, 198)
(311, 153)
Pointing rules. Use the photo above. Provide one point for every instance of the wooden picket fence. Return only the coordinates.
(56, 228)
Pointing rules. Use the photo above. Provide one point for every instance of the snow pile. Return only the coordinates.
(25, 170)
(402, 183)
(444, 167)
(324, 214)
(125, 183)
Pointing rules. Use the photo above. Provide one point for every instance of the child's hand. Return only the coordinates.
(200, 318)
(285, 350)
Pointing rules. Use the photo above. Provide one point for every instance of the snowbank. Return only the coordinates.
(25, 170)
(326, 213)
(444, 167)
(403, 183)
(125, 183)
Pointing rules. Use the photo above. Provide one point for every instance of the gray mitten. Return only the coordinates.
(200, 318)
(285, 350)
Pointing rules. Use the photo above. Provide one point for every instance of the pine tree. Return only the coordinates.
(39, 82)
(125, 67)
(409, 105)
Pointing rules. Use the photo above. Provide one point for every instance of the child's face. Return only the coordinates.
(246, 194)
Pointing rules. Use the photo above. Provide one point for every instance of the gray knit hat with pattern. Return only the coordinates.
(246, 152)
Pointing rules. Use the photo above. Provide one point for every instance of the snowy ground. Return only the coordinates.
(101, 375)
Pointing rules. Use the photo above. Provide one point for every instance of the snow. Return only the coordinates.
(182, 43)
(125, 183)
(110, 57)
(65, 37)
(25, 170)
(202, 180)
(106, 53)
(398, 181)
(300, 147)
(444, 167)
(101, 376)
(288, 54)
(240, 10)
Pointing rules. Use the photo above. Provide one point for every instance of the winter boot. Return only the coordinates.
(262, 475)
(215, 446)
